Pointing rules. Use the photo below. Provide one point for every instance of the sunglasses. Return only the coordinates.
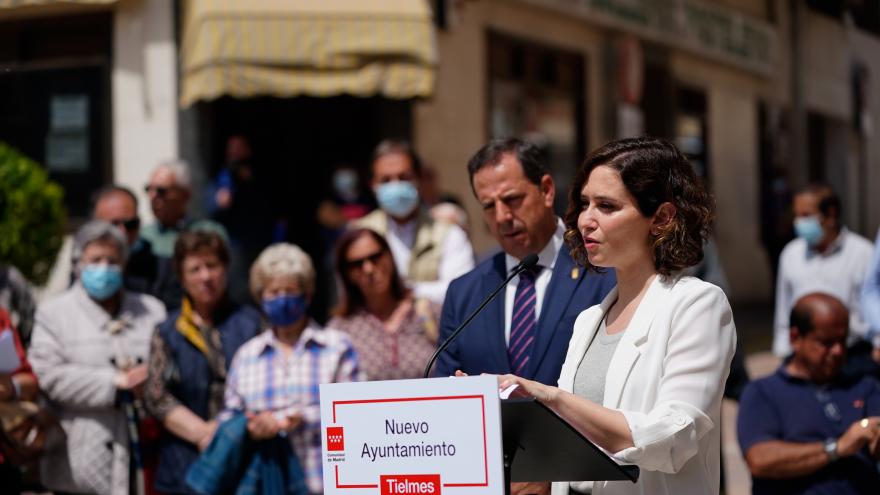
(159, 190)
(128, 224)
(359, 263)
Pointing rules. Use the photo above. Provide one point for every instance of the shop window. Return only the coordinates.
(536, 92)
(54, 98)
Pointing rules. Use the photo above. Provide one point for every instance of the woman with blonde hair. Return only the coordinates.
(274, 377)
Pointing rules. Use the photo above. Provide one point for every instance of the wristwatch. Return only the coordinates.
(831, 449)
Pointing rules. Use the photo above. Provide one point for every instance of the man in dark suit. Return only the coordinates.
(526, 329)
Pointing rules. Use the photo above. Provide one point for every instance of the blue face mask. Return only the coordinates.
(101, 281)
(286, 309)
(809, 229)
(398, 199)
(345, 183)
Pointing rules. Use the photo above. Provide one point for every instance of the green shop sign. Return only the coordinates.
(698, 26)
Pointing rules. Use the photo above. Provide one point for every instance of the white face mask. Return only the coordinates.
(809, 229)
(399, 198)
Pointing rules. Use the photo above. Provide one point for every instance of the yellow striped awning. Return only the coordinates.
(287, 48)
(7, 4)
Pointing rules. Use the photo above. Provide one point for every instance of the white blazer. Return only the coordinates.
(666, 377)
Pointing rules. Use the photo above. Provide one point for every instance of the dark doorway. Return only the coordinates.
(55, 99)
(296, 143)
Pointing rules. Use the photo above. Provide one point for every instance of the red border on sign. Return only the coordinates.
(423, 399)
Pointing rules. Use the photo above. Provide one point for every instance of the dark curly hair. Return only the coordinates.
(654, 171)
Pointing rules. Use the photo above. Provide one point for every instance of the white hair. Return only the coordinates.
(98, 230)
(181, 171)
(278, 261)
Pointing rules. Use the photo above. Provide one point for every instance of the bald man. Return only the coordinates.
(825, 256)
(807, 428)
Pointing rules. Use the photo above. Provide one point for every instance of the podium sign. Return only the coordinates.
(412, 437)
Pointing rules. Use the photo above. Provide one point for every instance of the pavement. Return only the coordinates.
(754, 326)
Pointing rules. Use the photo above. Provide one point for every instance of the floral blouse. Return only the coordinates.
(392, 355)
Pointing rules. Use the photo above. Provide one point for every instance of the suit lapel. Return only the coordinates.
(558, 295)
(494, 331)
(636, 334)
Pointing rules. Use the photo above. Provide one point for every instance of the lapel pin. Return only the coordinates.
(575, 273)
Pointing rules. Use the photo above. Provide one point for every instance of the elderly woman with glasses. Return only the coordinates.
(393, 332)
(89, 350)
(190, 355)
(274, 377)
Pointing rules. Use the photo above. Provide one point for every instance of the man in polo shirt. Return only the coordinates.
(824, 257)
(169, 190)
(807, 428)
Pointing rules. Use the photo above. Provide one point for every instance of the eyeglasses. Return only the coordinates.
(128, 224)
(359, 263)
(159, 190)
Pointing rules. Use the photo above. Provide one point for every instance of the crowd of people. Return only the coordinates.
(183, 343)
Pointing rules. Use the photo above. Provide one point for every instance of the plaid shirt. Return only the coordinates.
(262, 378)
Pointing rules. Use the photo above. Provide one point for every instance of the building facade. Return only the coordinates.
(762, 96)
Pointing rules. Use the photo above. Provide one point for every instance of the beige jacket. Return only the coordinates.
(424, 266)
(71, 352)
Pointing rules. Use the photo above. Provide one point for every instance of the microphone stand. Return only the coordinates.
(528, 262)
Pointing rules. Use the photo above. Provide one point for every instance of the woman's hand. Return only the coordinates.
(7, 388)
(291, 422)
(207, 435)
(262, 426)
(528, 388)
(132, 379)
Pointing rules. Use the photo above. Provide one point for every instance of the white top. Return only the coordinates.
(840, 271)
(71, 349)
(547, 260)
(456, 260)
(589, 380)
(666, 377)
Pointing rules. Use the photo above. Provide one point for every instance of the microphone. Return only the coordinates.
(527, 263)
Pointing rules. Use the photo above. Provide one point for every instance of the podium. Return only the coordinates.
(538, 445)
(449, 436)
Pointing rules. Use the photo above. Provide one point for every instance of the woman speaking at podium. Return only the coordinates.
(645, 369)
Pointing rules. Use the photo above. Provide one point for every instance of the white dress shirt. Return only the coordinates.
(839, 271)
(456, 260)
(546, 260)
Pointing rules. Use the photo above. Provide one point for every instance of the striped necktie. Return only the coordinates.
(523, 322)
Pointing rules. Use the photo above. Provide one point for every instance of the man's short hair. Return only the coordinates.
(827, 198)
(801, 319)
(491, 153)
(181, 171)
(110, 190)
(393, 146)
(802, 314)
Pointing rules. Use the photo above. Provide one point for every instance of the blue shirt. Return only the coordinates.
(789, 409)
(871, 291)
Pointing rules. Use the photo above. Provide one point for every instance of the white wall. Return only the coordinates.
(144, 99)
